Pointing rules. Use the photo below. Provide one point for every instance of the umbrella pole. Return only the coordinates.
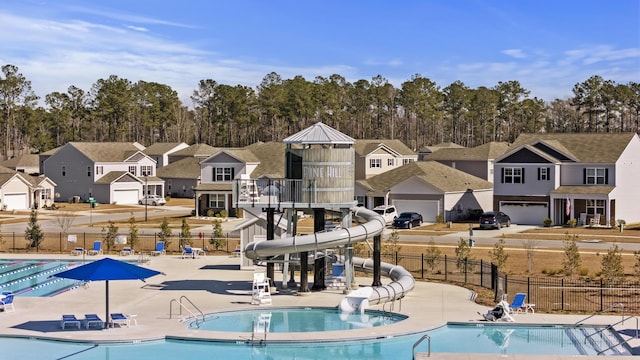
(106, 286)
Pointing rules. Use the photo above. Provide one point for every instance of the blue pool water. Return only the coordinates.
(490, 339)
(35, 277)
(287, 320)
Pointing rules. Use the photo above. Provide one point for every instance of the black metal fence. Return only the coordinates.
(549, 294)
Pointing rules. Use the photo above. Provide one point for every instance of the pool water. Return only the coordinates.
(279, 320)
(491, 339)
(35, 277)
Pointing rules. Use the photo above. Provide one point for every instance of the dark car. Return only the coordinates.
(494, 220)
(407, 220)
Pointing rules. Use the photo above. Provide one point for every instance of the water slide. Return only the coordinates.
(358, 300)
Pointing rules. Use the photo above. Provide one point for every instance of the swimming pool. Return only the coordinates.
(35, 277)
(291, 320)
(451, 338)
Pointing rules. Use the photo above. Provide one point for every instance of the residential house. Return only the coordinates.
(160, 152)
(19, 191)
(26, 163)
(109, 172)
(181, 177)
(478, 161)
(588, 177)
(373, 157)
(427, 150)
(429, 188)
(198, 151)
(219, 170)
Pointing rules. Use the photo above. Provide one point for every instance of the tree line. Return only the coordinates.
(419, 112)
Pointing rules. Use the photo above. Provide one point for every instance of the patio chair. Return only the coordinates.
(595, 220)
(188, 252)
(6, 301)
(93, 320)
(159, 249)
(69, 320)
(97, 248)
(126, 251)
(518, 305)
(120, 319)
(77, 251)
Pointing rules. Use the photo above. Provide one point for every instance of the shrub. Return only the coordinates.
(572, 223)
(440, 219)
(547, 221)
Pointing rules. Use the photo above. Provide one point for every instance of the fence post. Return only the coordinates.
(445, 267)
(60, 241)
(601, 295)
(465, 270)
(422, 266)
(396, 258)
(481, 271)
(529, 289)
(13, 237)
(562, 297)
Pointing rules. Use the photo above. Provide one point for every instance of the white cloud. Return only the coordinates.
(515, 53)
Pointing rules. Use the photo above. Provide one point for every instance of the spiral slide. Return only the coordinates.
(402, 281)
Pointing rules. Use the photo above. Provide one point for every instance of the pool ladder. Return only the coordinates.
(182, 306)
(413, 350)
(608, 327)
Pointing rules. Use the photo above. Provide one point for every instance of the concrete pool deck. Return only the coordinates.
(215, 283)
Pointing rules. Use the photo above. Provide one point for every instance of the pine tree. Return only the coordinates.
(33, 234)
(571, 263)
(133, 232)
(109, 235)
(432, 255)
(185, 233)
(217, 237)
(611, 264)
(463, 254)
(165, 233)
(499, 257)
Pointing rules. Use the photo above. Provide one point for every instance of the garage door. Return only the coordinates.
(525, 213)
(427, 208)
(126, 196)
(16, 201)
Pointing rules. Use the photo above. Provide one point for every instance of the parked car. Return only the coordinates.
(494, 220)
(388, 212)
(407, 220)
(152, 200)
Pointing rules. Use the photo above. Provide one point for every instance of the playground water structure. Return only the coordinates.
(401, 280)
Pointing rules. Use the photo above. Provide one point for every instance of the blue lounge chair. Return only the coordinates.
(93, 320)
(518, 305)
(188, 252)
(69, 320)
(120, 319)
(6, 301)
(159, 249)
(97, 248)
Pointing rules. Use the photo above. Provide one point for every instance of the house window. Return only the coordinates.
(544, 173)
(391, 162)
(45, 194)
(146, 170)
(169, 182)
(99, 170)
(64, 170)
(595, 207)
(360, 200)
(132, 170)
(407, 161)
(375, 163)
(513, 175)
(88, 170)
(595, 176)
(216, 201)
(223, 174)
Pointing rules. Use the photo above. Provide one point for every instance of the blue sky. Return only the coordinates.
(548, 46)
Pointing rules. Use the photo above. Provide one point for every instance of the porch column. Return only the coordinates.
(607, 211)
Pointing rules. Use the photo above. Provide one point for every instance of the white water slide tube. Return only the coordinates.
(402, 281)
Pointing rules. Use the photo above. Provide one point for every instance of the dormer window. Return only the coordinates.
(146, 170)
(132, 170)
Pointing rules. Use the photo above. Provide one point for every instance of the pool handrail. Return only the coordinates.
(623, 342)
(182, 306)
(581, 322)
(415, 345)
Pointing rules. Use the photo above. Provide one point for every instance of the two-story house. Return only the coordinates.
(109, 172)
(160, 152)
(218, 171)
(588, 177)
(374, 157)
(478, 161)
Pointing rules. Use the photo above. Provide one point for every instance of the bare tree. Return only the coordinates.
(65, 219)
(530, 247)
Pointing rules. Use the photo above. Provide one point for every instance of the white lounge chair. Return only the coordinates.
(120, 319)
(77, 251)
(126, 251)
(6, 301)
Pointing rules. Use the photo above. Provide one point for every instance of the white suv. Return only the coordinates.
(152, 200)
(388, 212)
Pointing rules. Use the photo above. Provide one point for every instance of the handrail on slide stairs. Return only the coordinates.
(182, 306)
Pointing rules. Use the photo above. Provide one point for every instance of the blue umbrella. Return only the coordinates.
(108, 269)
